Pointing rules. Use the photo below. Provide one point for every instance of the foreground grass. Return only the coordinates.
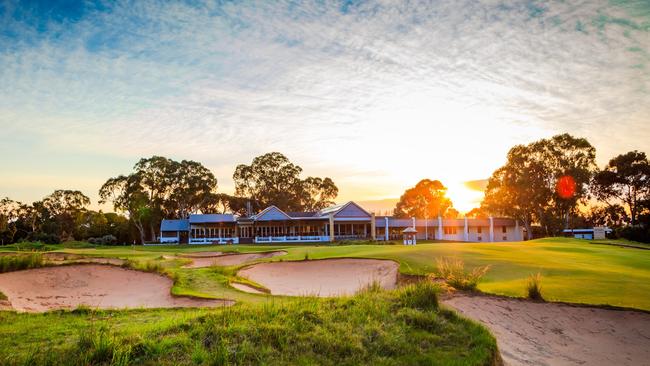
(375, 327)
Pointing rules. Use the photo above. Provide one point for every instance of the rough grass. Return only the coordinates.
(19, 262)
(376, 327)
(454, 272)
(534, 287)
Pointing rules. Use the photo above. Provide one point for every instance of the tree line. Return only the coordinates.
(158, 188)
(553, 184)
(547, 185)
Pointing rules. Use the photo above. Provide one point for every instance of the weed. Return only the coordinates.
(9, 263)
(454, 273)
(534, 287)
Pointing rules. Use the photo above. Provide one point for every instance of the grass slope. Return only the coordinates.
(376, 327)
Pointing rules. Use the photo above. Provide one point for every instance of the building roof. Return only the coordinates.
(175, 225)
(211, 218)
(301, 214)
(409, 230)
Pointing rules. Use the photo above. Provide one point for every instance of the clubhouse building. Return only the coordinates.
(341, 222)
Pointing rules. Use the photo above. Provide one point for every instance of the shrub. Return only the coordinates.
(9, 263)
(104, 240)
(454, 273)
(44, 238)
(534, 287)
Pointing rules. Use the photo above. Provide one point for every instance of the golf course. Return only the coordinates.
(258, 325)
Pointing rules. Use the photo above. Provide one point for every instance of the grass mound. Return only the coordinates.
(403, 326)
(9, 263)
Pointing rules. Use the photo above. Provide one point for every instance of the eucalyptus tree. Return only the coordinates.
(542, 182)
(427, 199)
(625, 181)
(159, 188)
(271, 179)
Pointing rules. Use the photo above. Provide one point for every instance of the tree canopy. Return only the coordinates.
(271, 179)
(427, 199)
(625, 181)
(542, 182)
(159, 188)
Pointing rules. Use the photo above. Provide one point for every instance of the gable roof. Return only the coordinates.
(349, 209)
(271, 213)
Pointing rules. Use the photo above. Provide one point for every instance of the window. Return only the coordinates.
(450, 230)
(504, 238)
(478, 230)
(504, 229)
(480, 238)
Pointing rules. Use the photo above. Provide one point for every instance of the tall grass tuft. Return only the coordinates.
(422, 296)
(454, 273)
(11, 263)
(534, 287)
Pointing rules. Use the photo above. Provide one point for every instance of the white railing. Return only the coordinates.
(290, 239)
(214, 241)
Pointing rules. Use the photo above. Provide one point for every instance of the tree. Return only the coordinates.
(60, 212)
(625, 180)
(272, 179)
(224, 203)
(477, 213)
(159, 188)
(543, 182)
(9, 215)
(427, 199)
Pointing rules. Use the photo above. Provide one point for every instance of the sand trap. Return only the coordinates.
(230, 259)
(97, 286)
(531, 333)
(324, 278)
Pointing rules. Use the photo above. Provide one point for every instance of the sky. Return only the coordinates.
(374, 94)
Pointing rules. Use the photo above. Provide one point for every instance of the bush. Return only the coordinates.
(636, 233)
(44, 238)
(422, 296)
(10, 263)
(534, 287)
(104, 240)
(454, 273)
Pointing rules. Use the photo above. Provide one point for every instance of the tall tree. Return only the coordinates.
(272, 179)
(9, 216)
(61, 211)
(159, 187)
(427, 199)
(542, 182)
(625, 180)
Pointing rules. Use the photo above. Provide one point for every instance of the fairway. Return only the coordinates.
(572, 270)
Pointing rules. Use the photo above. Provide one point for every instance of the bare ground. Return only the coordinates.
(96, 286)
(532, 333)
(324, 278)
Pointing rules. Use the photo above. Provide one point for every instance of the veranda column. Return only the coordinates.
(331, 227)
(466, 231)
(373, 227)
(439, 228)
(517, 233)
(491, 229)
(386, 228)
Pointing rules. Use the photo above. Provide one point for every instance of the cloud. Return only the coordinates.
(396, 89)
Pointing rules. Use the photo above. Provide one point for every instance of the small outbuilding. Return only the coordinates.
(594, 233)
(410, 236)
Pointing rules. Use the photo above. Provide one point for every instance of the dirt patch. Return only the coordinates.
(530, 333)
(97, 286)
(324, 278)
(230, 259)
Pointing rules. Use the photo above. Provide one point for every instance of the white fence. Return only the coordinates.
(290, 239)
(214, 241)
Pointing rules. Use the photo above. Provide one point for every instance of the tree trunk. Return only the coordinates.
(140, 228)
(153, 232)
(529, 231)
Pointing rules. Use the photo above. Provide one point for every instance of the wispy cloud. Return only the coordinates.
(397, 89)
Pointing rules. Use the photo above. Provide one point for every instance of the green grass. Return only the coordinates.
(375, 328)
(9, 263)
(574, 270)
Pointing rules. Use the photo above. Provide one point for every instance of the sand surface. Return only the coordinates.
(229, 259)
(325, 278)
(58, 258)
(97, 286)
(531, 333)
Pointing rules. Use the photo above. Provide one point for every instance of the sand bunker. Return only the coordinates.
(97, 286)
(229, 259)
(325, 278)
(556, 334)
